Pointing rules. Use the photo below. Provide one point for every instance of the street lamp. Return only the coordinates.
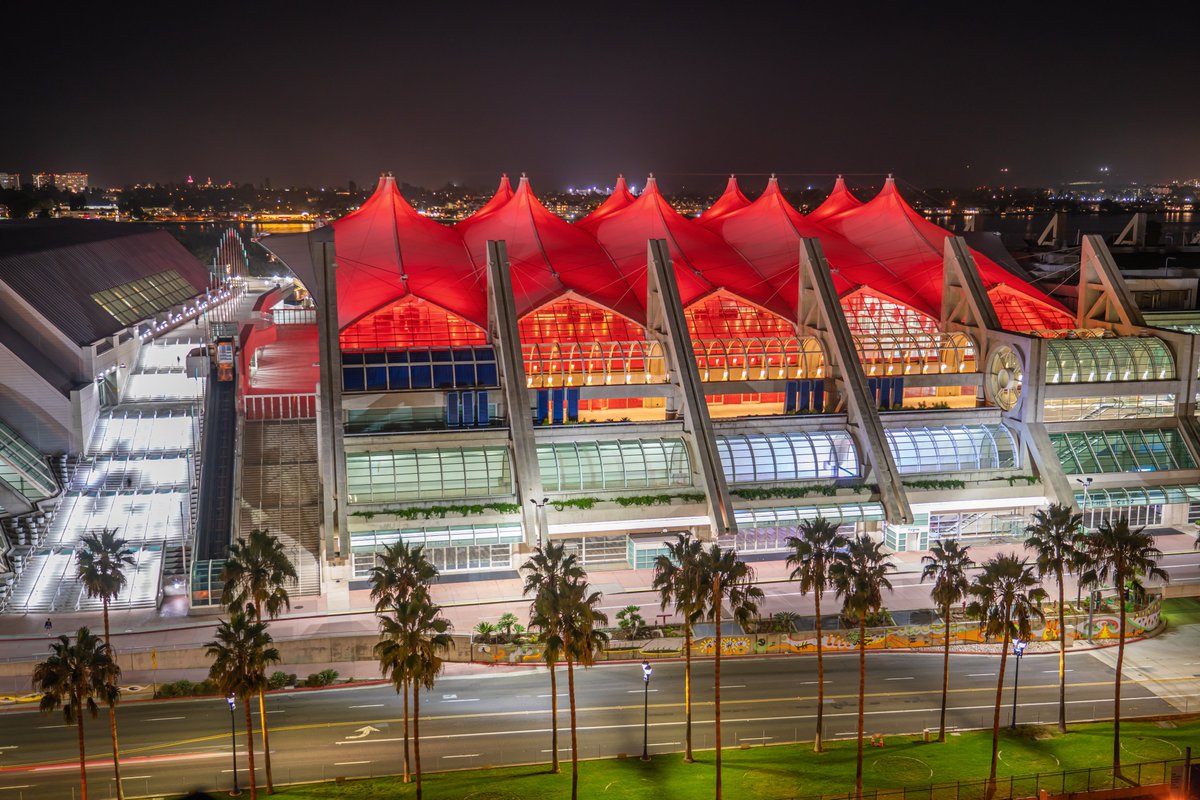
(646, 670)
(1018, 650)
(541, 518)
(233, 743)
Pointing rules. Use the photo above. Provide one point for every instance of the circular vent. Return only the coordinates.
(1005, 375)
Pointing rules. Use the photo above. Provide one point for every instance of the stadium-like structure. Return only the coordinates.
(514, 377)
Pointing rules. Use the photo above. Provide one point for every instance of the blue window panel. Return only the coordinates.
(397, 378)
(422, 376)
(353, 380)
(485, 354)
(375, 358)
(398, 357)
(486, 374)
(352, 358)
(452, 410)
(573, 405)
(790, 390)
(443, 376)
(483, 413)
(418, 356)
(468, 407)
(873, 389)
(463, 354)
(804, 401)
(897, 392)
(377, 379)
(439, 356)
(543, 406)
(557, 403)
(818, 397)
(464, 374)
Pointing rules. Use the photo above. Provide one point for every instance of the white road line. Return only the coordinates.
(135, 777)
(22, 786)
(349, 763)
(10, 747)
(812, 683)
(906, 678)
(465, 755)
(47, 727)
(984, 674)
(566, 749)
(464, 700)
(162, 719)
(369, 705)
(560, 694)
(734, 686)
(662, 744)
(755, 738)
(1055, 671)
(639, 691)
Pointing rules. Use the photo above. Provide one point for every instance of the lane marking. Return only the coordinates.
(464, 755)
(22, 786)
(984, 674)
(560, 694)
(162, 719)
(348, 763)
(663, 744)
(640, 691)
(906, 678)
(734, 686)
(464, 700)
(1055, 671)
(10, 747)
(368, 705)
(135, 777)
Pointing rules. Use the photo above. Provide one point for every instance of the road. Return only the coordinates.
(503, 718)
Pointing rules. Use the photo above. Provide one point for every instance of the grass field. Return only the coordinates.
(781, 772)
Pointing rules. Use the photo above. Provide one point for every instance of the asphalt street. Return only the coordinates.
(503, 718)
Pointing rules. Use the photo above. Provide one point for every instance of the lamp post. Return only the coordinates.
(1087, 483)
(540, 514)
(1018, 650)
(233, 743)
(646, 670)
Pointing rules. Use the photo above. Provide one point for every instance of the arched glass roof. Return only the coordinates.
(614, 465)
(952, 448)
(1101, 360)
(788, 456)
(1121, 451)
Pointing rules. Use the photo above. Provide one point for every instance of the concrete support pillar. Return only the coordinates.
(331, 446)
(1104, 299)
(820, 315)
(666, 322)
(506, 339)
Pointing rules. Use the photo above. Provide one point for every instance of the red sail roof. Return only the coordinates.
(839, 200)
(503, 194)
(731, 200)
(549, 257)
(619, 199)
(703, 261)
(386, 251)
(911, 247)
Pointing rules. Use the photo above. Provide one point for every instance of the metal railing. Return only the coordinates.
(279, 406)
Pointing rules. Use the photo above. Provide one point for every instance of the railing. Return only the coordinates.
(1054, 784)
(294, 316)
(279, 406)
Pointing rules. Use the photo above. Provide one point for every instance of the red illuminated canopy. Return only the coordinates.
(549, 257)
(839, 200)
(619, 199)
(731, 200)
(386, 252)
(503, 194)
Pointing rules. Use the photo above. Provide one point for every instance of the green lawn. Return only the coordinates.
(787, 771)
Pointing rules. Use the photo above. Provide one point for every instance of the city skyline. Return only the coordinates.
(954, 98)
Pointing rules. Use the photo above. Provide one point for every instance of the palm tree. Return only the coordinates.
(101, 562)
(726, 578)
(859, 577)
(241, 653)
(1008, 598)
(256, 573)
(544, 572)
(812, 553)
(400, 571)
(679, 582)
(410, 647)
(580, 624)
(73, 677)
(1123, 557)
(1056, 537)
(947, 566)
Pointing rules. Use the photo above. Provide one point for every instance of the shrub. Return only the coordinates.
(323, 678)
(278, 680)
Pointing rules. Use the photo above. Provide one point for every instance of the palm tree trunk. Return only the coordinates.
(945, 676)
(574, 740)
(1062, 658)
(1120, 580)
(554, 768)
(405, 685)
(417, 734)
(687, 691)
(862, 697)
(991, 784)
(250, 749)
(717, 674)
(262, 718)
(817, 743)
(112, 712)
(82, 755)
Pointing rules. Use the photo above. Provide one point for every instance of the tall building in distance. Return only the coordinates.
(10, 180)
(73, 182)
(43, 180)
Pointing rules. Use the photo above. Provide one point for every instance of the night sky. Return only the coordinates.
(437, 92)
